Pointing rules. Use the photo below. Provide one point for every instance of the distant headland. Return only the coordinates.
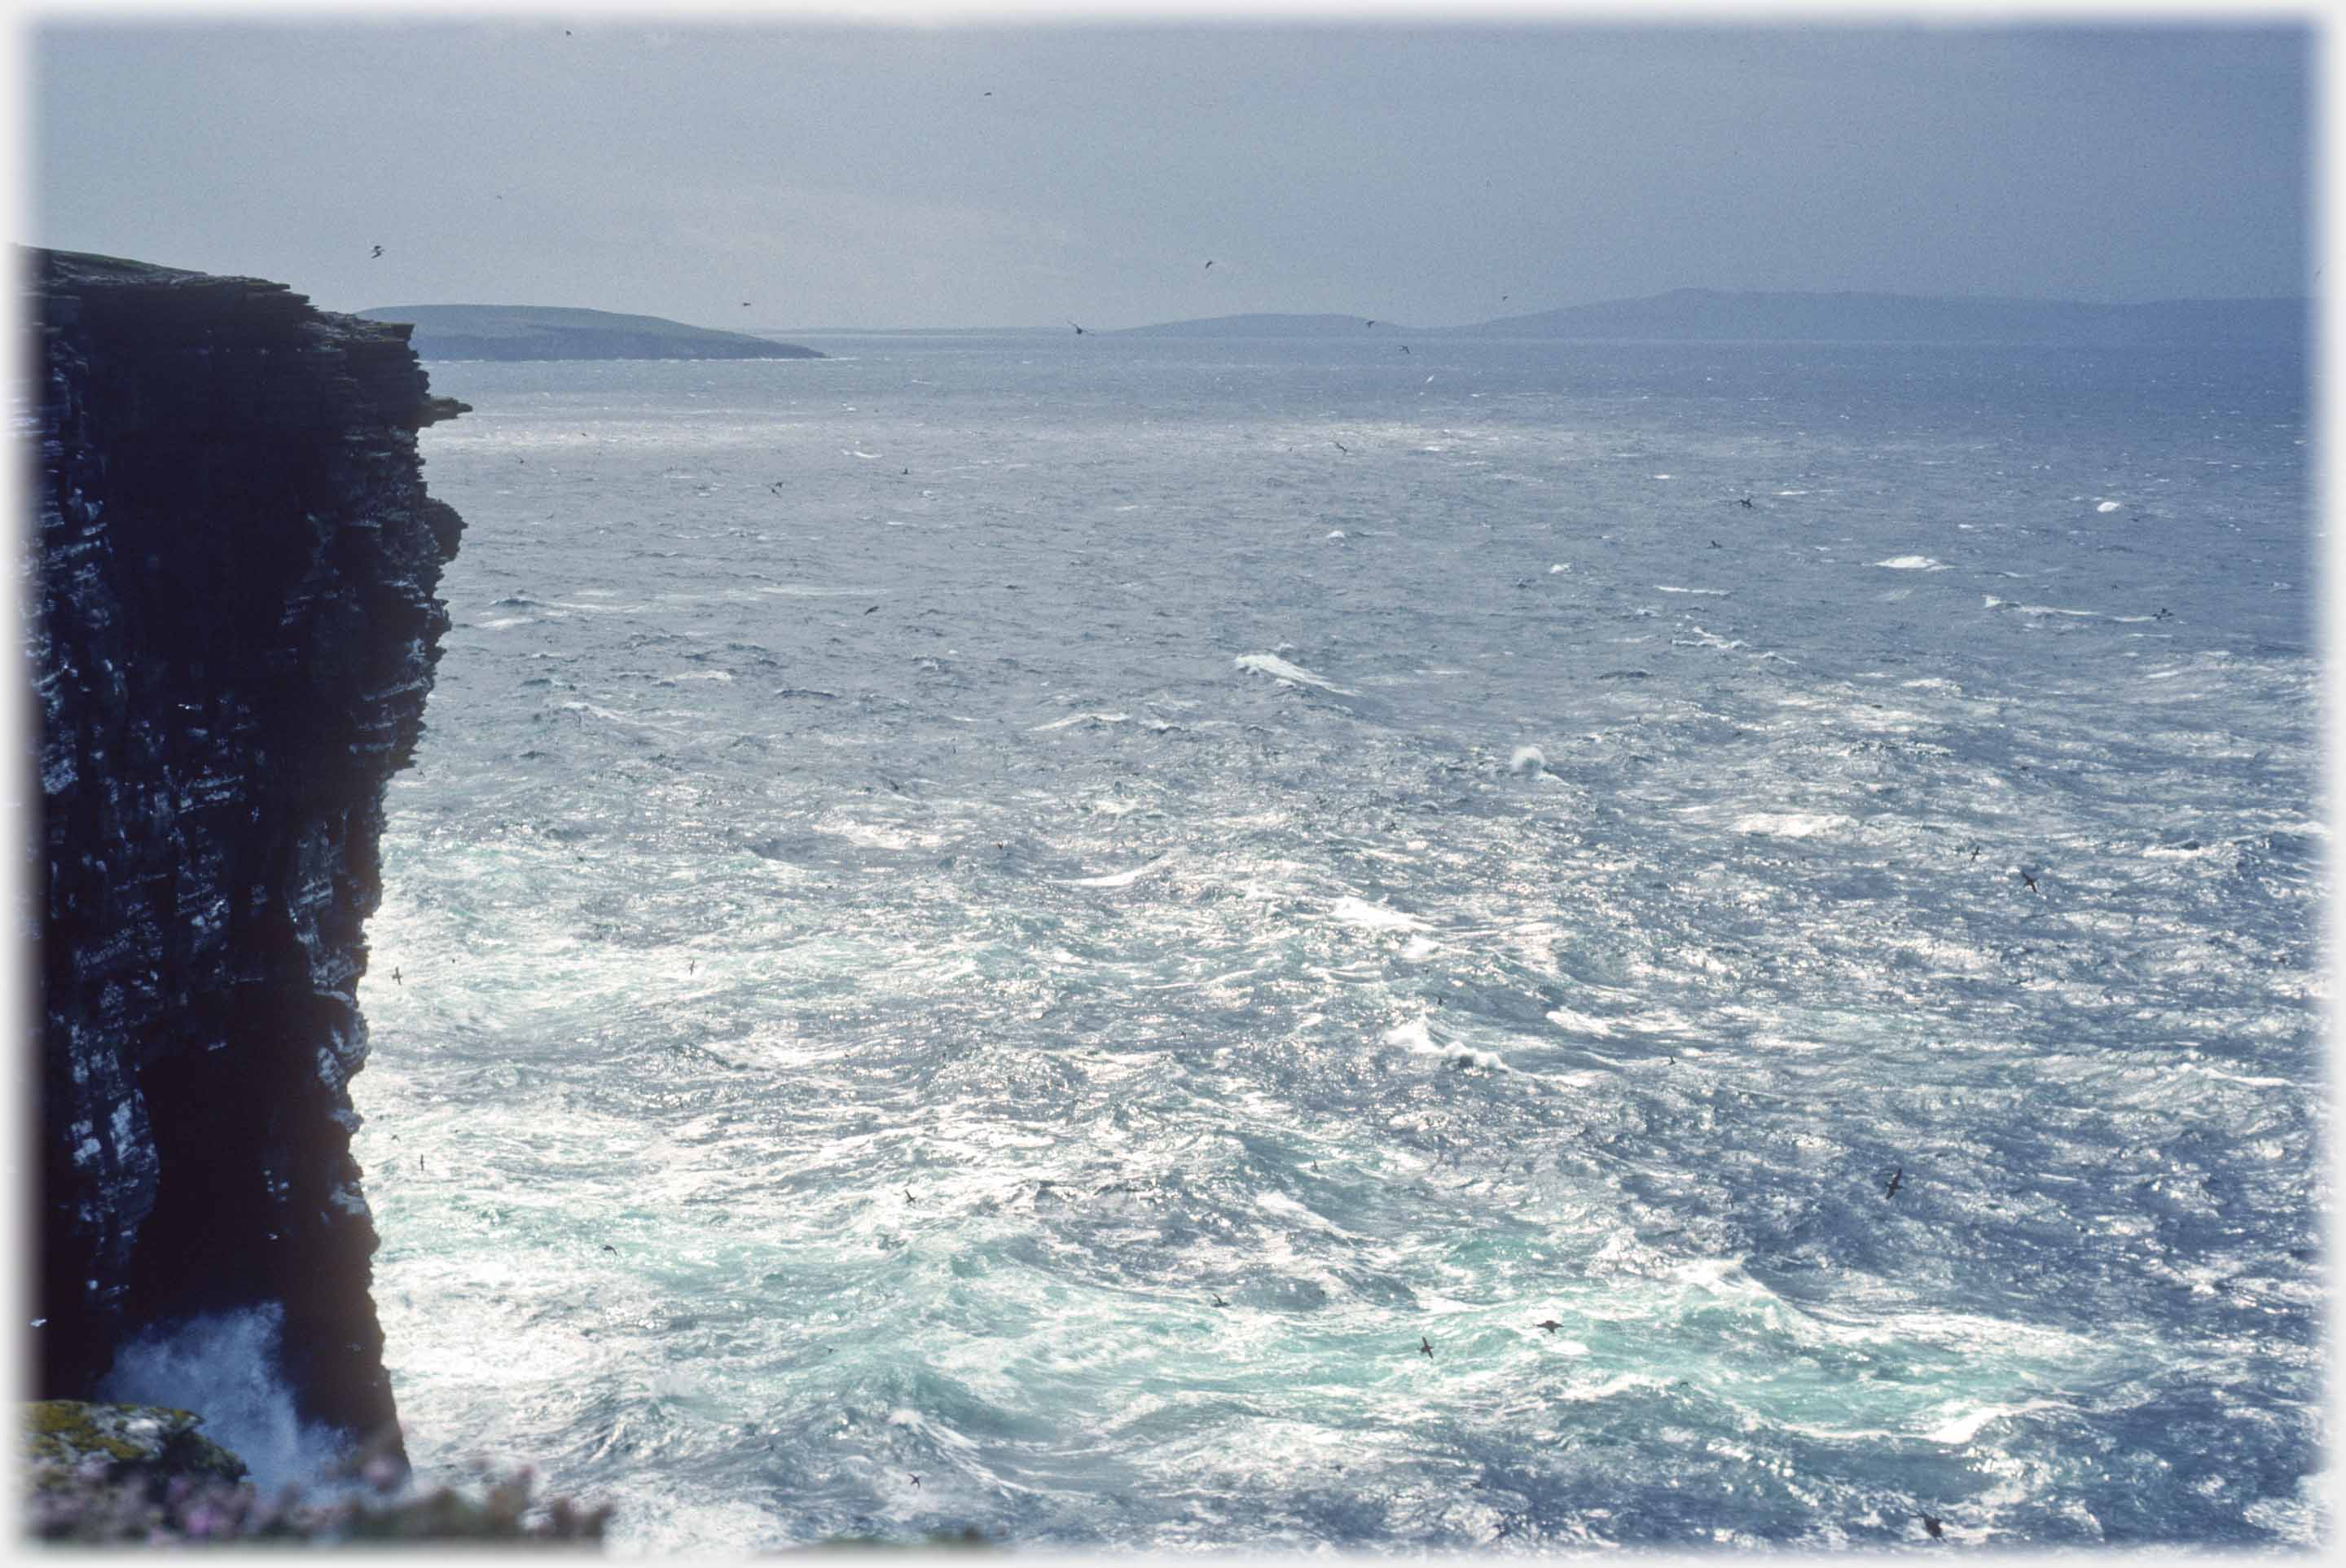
(1716, 315)
(556, 332)
(1265, 325)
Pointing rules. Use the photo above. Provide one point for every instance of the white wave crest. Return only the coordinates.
(1376, 917)
(1294, 674)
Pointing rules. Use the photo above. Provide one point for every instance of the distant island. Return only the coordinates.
(1264, 326)
(554, 332)
(1723, 316)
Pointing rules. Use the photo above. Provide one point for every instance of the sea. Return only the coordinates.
(1109, 943)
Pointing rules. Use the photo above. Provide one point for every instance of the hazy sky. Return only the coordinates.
(1019, 172)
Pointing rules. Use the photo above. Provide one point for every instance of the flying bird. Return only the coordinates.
(1550, 1324)
(2028, 881)
(1210, 263)
(1340, 446)
(1071, 321)
(1932, 1524)
(378, 250)
(1219, 1301)
(394, 976)
(1425, 1347)
(1897, 1179)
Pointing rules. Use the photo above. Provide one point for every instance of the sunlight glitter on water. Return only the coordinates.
(938, 1015)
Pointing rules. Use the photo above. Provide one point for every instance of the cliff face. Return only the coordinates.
(232, 631)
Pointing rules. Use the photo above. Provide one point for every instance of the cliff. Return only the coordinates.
(231, 633)
(555, 332)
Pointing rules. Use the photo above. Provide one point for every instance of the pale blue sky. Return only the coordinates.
(1415, 172)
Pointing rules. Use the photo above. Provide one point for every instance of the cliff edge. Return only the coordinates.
(232, 629)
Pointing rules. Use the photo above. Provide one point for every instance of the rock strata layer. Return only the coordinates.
(232, 631)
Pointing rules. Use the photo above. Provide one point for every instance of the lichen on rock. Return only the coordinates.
(151, 1444)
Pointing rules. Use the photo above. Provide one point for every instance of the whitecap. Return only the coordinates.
(1992, 603)
(1413, 1034)
(1720, 1275)
(1359, 911)
(2241, 1078)
(1115, 878)
(1078, 718)
(2108, 506)
(1792, 824)
(1294, 674)
(1962, 1429)
(1619, 1383)
(1705, 593)
(1417, 1036)
(1913, 564)
(1527, 760)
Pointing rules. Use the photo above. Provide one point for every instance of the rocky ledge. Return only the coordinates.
(233, 632)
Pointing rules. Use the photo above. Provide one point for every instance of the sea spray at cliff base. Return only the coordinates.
(227, 1367)
(1011, 983)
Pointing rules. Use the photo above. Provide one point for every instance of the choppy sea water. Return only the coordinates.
(1004, 932)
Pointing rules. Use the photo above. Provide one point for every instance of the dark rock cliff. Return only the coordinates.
(233, 630)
